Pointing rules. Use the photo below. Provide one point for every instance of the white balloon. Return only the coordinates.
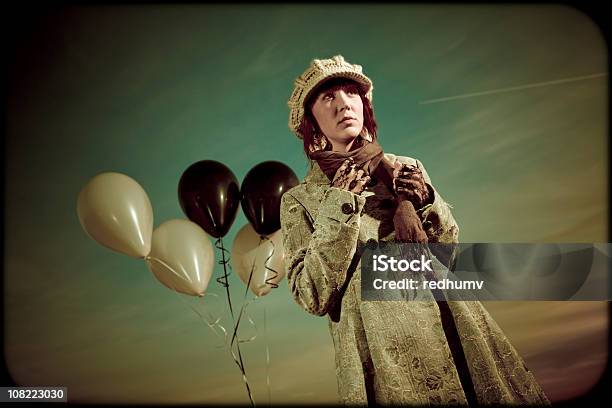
(250, 252)
(182, 257)
(115, 211)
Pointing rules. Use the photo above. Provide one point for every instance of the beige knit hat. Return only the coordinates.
(318, 71)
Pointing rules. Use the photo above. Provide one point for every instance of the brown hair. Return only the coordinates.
(309, 127)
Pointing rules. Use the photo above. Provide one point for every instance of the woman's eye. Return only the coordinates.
(328, 96)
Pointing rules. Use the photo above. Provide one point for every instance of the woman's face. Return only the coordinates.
(339, 114)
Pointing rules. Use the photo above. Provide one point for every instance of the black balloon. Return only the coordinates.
(261, 191)
(209, 196)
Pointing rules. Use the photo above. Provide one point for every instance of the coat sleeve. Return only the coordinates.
(319, 252)
(438, 221)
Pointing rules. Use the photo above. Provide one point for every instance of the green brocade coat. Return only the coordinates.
(390, 352)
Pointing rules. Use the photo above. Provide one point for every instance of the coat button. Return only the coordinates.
(347, 208)
(372, 243)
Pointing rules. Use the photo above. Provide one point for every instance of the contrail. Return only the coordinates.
(514, 88)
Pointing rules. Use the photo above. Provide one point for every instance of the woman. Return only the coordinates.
(387, 352)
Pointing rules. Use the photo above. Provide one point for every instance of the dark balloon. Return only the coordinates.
(261, 191)
(209, 196)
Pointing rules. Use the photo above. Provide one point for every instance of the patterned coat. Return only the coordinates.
(389, 352)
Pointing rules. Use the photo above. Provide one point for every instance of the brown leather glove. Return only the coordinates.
(350, 177)
(408, 181)
(408, 227)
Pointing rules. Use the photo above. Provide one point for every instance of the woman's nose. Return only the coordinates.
(344, 102)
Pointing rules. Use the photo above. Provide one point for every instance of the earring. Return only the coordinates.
(323, 142)
(319, 142)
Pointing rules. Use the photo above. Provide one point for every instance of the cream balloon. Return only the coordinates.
(115, 211)
(182, 257)
(248, 248)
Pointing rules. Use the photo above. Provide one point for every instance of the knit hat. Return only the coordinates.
(319, 71)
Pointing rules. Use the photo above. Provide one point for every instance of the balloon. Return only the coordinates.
(209, 196)
(115, 211)
(261, 190)
(182, 257)
(248, 247)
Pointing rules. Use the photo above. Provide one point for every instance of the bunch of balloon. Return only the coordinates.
(257, 251)
(116, 212)
(209, 195)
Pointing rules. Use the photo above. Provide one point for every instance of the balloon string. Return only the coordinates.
(224, 282)
(245, 303)
(225, 336)
(209, 324)
(215, 322)
(149, 258)
(269, 279)
(243, 310)
(211, 321)
(273, 285)
(267, 356)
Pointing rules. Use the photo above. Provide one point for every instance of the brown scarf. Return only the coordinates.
(370, 156)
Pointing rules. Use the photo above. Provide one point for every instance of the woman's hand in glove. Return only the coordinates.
(349, 177)
(408, 180)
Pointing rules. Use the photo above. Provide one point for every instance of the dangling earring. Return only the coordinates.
(323, 142)
(319, 142)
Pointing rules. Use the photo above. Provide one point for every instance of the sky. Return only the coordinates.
(505, 105)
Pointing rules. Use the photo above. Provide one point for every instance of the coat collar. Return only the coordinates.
(315, 175)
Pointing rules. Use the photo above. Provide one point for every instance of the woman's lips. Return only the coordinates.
(346, 121)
